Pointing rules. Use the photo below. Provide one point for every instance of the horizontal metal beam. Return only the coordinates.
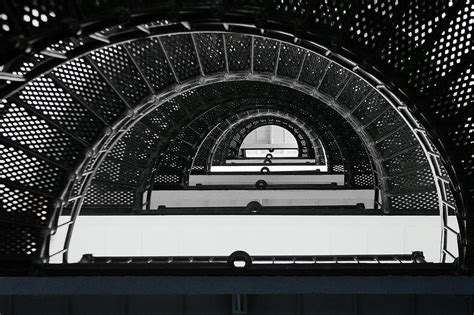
(273, 167)
(272, 178)
(269, 260)
(243, 211)
(275, 160)
(268, 197)
(268, 146)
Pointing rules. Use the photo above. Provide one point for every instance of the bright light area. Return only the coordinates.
(258, 142)
(257, 235)
(272, 168)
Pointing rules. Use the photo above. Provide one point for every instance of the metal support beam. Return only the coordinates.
(324, 75)
(239, 304)
(277, 59)
(301, 66)
(225, 53)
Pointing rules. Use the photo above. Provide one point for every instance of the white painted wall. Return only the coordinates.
(258, 235)
(269, 134)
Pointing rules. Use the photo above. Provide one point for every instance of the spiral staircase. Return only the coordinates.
(106, 102)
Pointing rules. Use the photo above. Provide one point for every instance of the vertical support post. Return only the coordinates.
(225, 54)
(239, 304)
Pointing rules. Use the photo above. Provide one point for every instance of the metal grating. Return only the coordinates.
(448, 51)
(143, 136)
(114, 62)
(385, 124)
(21, 205)
(17, 166)
(332, 14)
(182, 55)
(456, 98)
(56, 103)
(290, 60)
(354, 93)
(419, 202)
(19, 241)
(396, 143)
(152, 61)
(314, 68)
(116, 172)
(238, 52)
(419, 180)
(211, 52)
(372, 22)
(129, 152)
(265, 53)
(17, 124)
(334, 80)
(106, 194)
(428, 43)
(419, 20)
(371, 108)
(79, 76)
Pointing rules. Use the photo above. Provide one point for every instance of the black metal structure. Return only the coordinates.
(99, 95)
(230, 141)
(254, 261)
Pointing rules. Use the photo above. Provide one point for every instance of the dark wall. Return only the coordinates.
(222, 304)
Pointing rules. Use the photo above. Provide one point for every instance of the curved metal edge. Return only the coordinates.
(344, 62)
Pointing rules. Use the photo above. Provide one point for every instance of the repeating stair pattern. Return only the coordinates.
(160, 88)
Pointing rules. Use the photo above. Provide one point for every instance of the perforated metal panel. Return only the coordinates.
(371, 108)
(419, 20)
(412, 181)
(182, 55)
(17, 124)
(314, 69)
(116, 65)
(265, 55)
(372, 22)
(54, 102)
(106, 194)
(355, 92)
(116, 172)
(130, 152)
(21, 205)
(211, 52)
(143, 136)
(17, 166)
(19, 241)
(90, 86)
(397, 142)
(290, 60)
(334, 80)
(448, 50)
(152, 61)
(417, 202)
(238, 52)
